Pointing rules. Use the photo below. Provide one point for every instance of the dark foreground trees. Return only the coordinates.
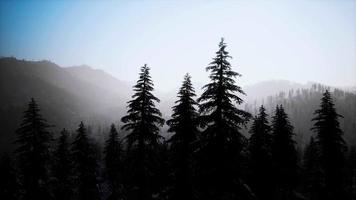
(114, 163)
(260, 157)
(143, 120)
(63, 168)
(284, 156)
(85, 166)
(312, 174)
(184, 125)
(9, 183)
(221, 143)
(33, 153)
(332, 148)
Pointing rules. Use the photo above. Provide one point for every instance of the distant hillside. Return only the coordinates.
(100, 79)
(271, 87)
(300, 105)
(66, 95)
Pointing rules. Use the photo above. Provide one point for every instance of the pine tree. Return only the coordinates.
(143, 121)
(113, 160)
(63, 168)
(222, 141)
(33, 152)
(260, 161)
(85, 165)
(332, 146)
(312, 172)
(284, 155)
(9, 185)
(185, 128)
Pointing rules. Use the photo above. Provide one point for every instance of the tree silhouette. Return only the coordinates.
(63, 168)
(143, 121)
(260, 161)
(33, 152)
(113, 160)
(332, 147)
(9, 185)
(284, 155)
(222, 141)
(185, 127)
(85, 165)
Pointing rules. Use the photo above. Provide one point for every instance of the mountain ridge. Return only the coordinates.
(68, 95)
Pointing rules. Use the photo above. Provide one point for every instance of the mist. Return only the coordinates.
(178, 100)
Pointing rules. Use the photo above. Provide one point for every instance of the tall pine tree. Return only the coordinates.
(143, 121)
(222, 141)
(260, 161)
(113, 160)
(33, 152)
(284, 155)
(63, 168)
(185, 128)
(332, 147)
(85, 163)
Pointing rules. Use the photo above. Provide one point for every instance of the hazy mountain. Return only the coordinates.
(271, 87)
(100, 79)
(66, 97)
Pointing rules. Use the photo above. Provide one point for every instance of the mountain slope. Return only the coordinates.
(65, 99)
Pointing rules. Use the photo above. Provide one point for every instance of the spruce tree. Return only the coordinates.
(113, 160)
(260, 161)
(143, 120)
(33, 152)
(185, 128)
(332, 147)
(85, 165)
(63, 168)
(221, 142)
(284, 155)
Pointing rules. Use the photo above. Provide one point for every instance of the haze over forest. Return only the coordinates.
(172, 100)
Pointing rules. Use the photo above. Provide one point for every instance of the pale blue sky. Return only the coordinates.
(299, 41)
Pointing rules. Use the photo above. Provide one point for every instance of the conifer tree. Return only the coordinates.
(185, 128)
(332, 147)
(260, 161)
(113, 160)
(63, 168)
(9, 185)
(222, 142)
(143, 120)
(284, 155)
(33, 152)
(312, 172)
(85, 165)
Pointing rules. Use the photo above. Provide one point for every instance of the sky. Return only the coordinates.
(299, 41)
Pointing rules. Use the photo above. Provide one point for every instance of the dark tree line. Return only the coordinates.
(207, 156)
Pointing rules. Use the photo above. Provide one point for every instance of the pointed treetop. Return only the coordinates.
(222, 43)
